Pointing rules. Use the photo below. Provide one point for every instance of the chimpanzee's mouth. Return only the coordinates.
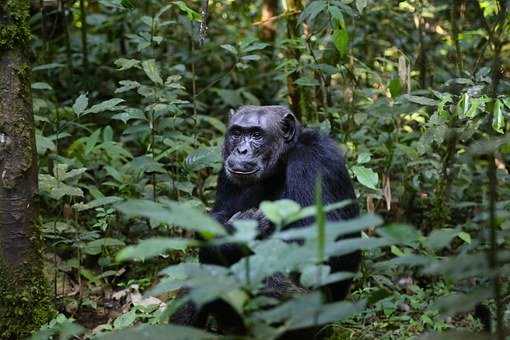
(241, 172)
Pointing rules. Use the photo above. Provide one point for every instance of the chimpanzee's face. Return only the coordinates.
(256, 139)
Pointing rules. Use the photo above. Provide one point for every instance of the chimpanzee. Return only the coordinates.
(268, 156)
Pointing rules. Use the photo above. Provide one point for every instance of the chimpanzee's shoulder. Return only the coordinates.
(314, 142)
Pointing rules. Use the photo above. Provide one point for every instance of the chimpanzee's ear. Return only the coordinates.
(288, 126)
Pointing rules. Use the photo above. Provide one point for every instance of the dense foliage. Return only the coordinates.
(130, 103)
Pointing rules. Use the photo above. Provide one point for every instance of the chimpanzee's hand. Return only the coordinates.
(265, 227)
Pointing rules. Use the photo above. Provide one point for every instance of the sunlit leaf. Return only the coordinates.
(80, 104)
(126, 64)
(498, 120)
(341, 40)
(361, 4)
(366, 176)
(152, 71)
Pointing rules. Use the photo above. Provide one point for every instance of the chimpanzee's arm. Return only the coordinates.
(224, 208)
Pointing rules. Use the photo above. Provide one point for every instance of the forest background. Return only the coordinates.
(130, 100)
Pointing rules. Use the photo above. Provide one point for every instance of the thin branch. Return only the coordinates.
(455, 35)
(276, 17)
(84, 44)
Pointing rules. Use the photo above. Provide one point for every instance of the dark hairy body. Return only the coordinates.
(269, 156)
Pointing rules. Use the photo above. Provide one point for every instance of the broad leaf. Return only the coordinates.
(107, 105)
(341, 40)
(366, 176)
(173, 213)
(80, 104)
(149, 248)
(152, 71)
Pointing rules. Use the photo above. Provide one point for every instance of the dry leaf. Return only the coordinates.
(370, 203)
(387, 191)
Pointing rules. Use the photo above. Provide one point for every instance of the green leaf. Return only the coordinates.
(364, 157)
(421, 100)
(307, 81)
(44, 144)
(333, 229)
(341, 41)
(337, 15)
(99, 202)
(125, 64)
(204, 158)
(160, 332)
(190, 13)
(396, 251)
(366, 176)
(152, 247)
(128, 114)
(440, 238)
(152, 71)
(320, 221)
(465, 237)
(395, 87)
(361, 4)
(310, 211)
(107, 105)
(401, 233)
(91, 141)
(378, 295)
(280, 211)
(62, 174)
(127, 85)
(56, 189)
(250, 57)
(229, 48)
(498, 120)
(173, 213)
(254, 46)
(95, 247)
(80, 104)
(215, 122)
(125, 320)
(272, 256)
(312, 10)
(41, 86)
(308, 310)
(48, 66)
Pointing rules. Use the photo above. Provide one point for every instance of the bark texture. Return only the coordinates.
(25, 302)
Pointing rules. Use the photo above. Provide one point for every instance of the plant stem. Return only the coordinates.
(455, 35)
(84, 45)
(493, 251)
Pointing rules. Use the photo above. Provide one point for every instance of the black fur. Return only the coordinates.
(293, 176)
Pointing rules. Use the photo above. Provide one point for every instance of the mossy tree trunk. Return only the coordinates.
(25, 301)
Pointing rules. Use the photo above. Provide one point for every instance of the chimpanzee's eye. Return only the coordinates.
(235, 133)
(257, 134)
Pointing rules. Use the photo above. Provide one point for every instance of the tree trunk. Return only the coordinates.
(293, 7)
(269, 12)
(25, 301)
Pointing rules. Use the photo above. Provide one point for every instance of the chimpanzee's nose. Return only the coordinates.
(242, 150)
